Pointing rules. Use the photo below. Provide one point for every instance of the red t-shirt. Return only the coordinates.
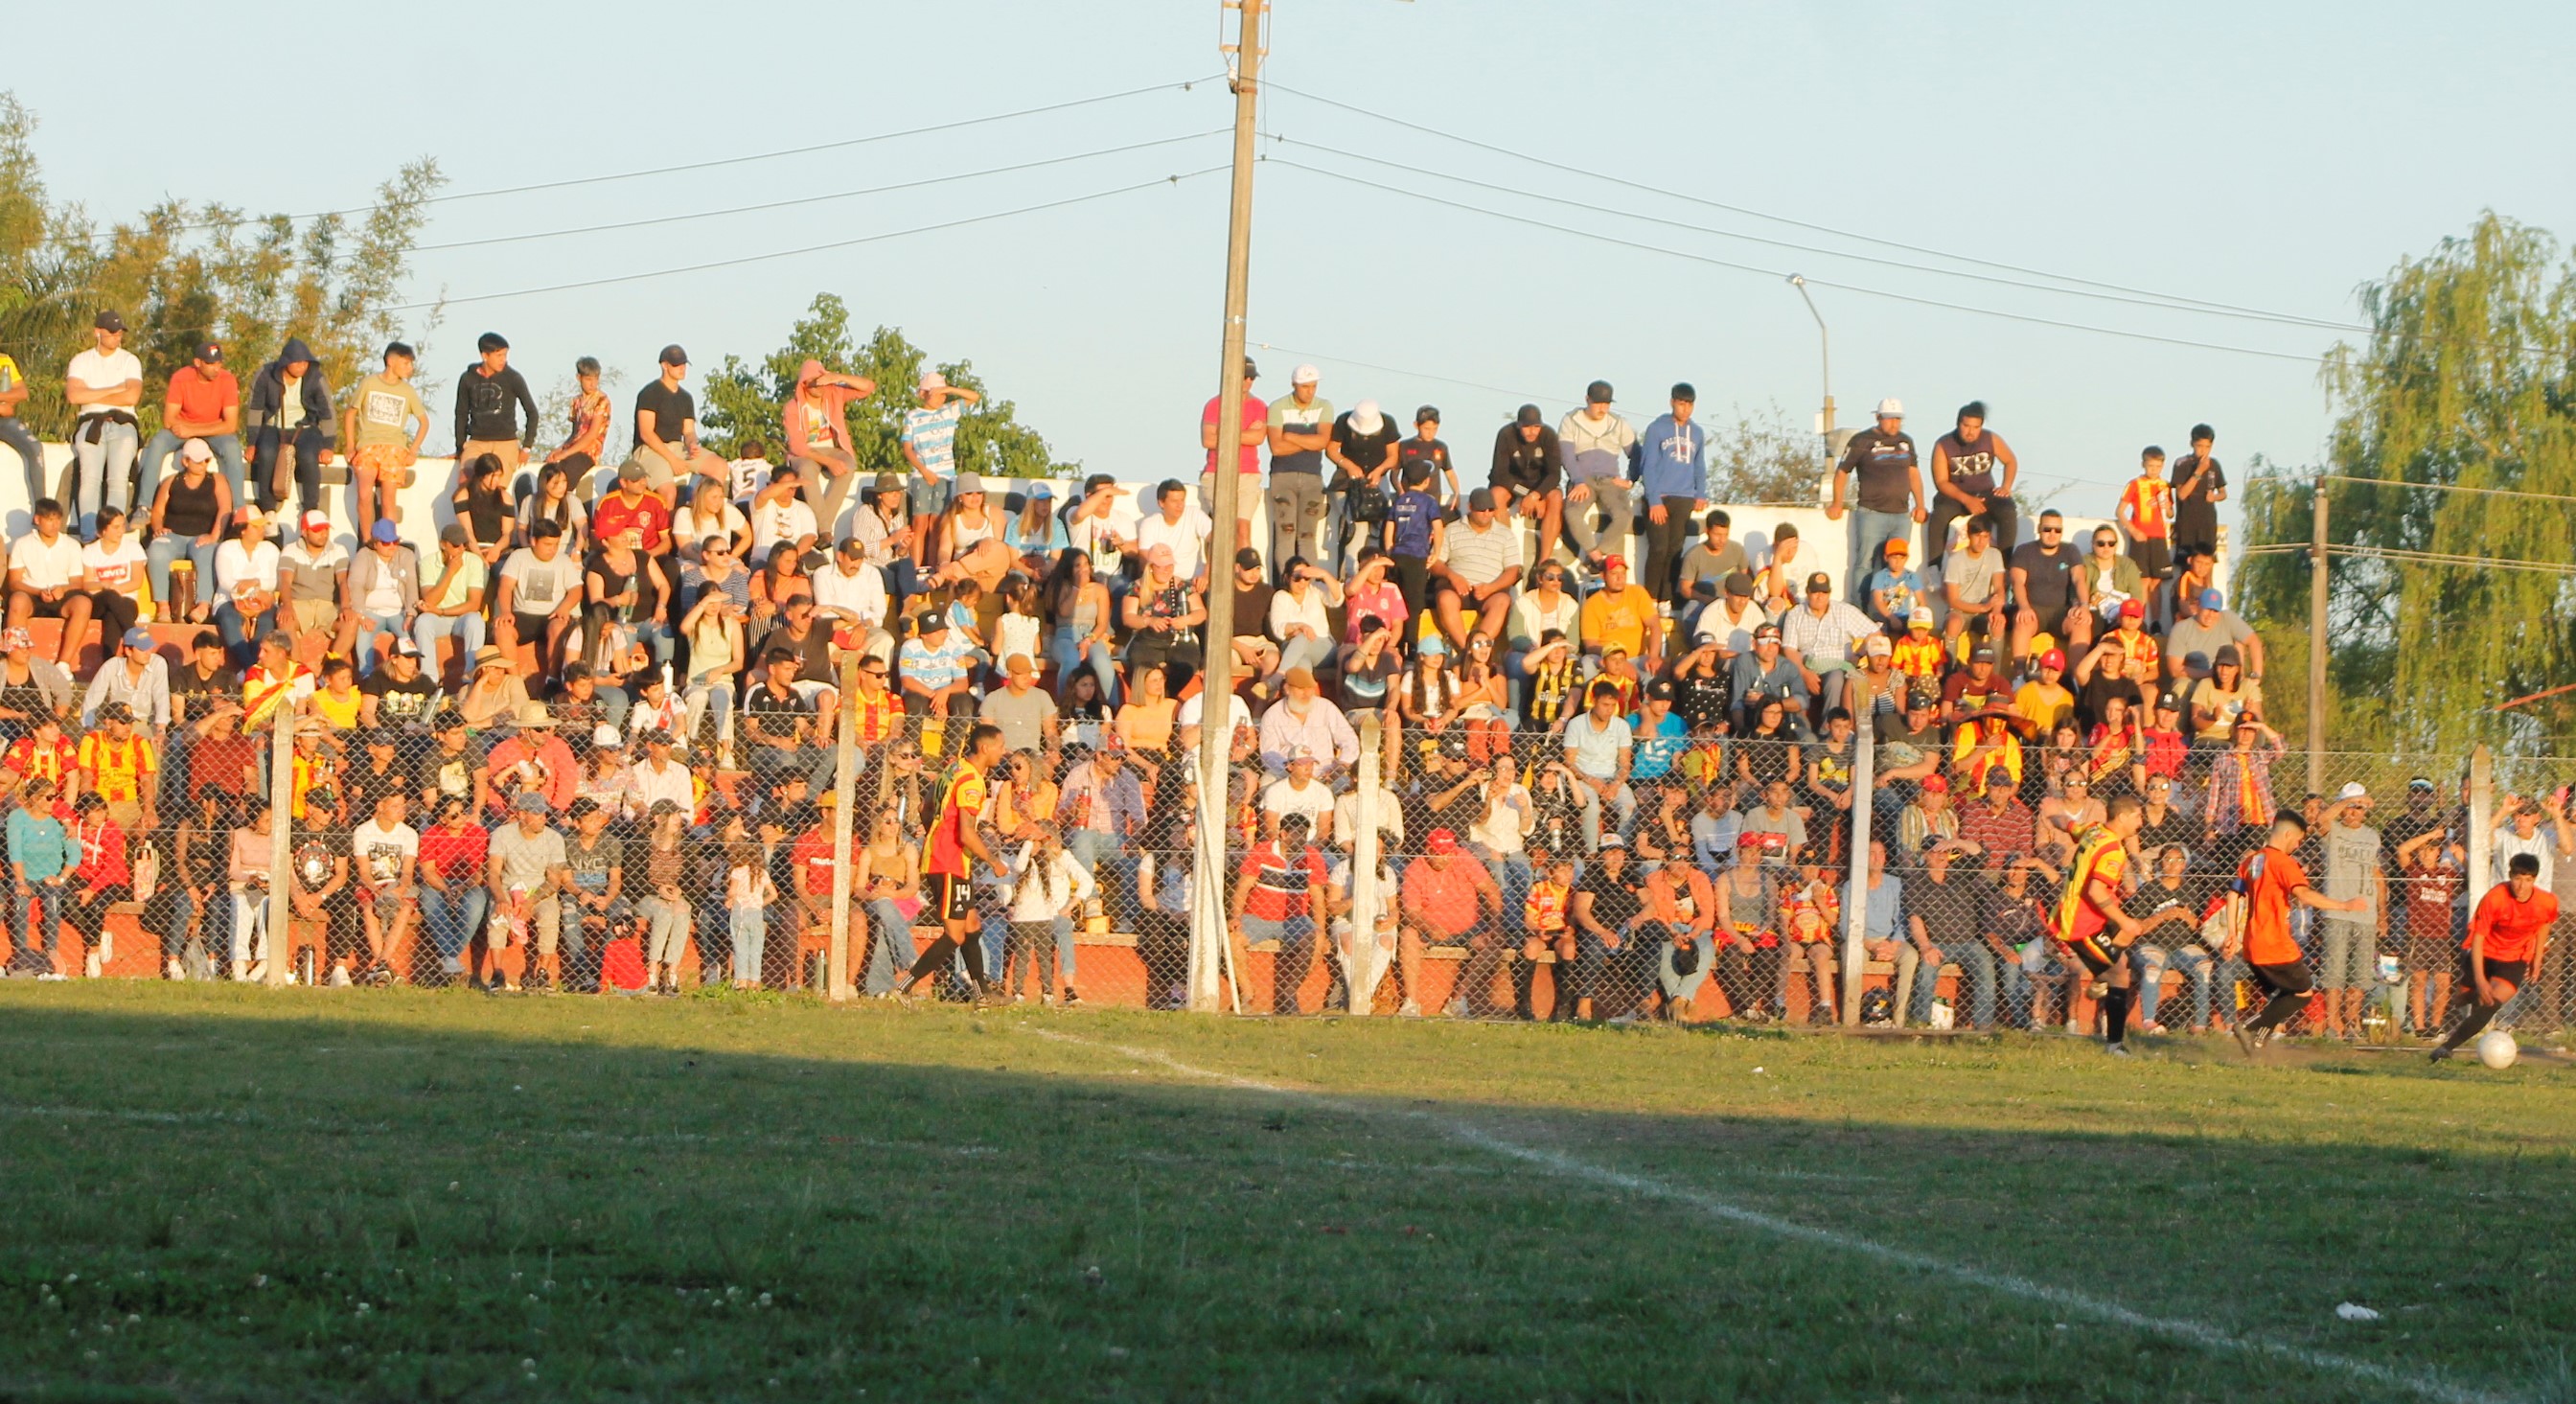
(203, 398)
(1256, 415)
(2268, 877)
(2512, 928)
(1281, 888)
(1446, 898)
(615, 514)
(812, 855)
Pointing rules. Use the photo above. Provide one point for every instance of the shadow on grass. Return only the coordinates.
(469, 1200)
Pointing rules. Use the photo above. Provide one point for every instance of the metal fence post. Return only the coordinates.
(845, 798)
(1856, 899)
(2481, 835)
(281, 841)
(1364, 967)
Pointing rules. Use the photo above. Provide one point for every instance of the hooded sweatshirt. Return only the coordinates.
(1595, 451)
(1672, 460)
(1529, 466)
(268, 393)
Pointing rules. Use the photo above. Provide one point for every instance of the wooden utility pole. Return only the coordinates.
(1216, 734)
(2317, 647)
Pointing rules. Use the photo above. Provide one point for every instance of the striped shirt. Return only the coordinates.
(932, 433)
(1480, 556)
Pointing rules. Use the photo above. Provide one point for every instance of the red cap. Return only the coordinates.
(2054, 658)
(2132, 609)
(1614, 562)
(1441, 841)
(1935, 785)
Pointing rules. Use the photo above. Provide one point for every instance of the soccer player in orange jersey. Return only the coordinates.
(2271, 881)
(2506, 935)
(956, 846)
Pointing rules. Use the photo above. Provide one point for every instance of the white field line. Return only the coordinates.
(2184, 1329)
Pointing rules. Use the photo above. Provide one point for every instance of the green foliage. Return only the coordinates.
(1764, 459)
(2465, 381)
(742, 402)
(182, 273)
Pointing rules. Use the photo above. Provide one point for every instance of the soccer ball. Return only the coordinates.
(2497, 1049)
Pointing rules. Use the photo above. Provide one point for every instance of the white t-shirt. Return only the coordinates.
(93, 371)
(46, 567)
(1283, 799)
(1595, 752)
(749, 476)
(1531, 618)
(1286, 613)
(862, 594)
(1500, 830)
(692, 533)
(773, 522)
(1187, 538)
(380, 852)
(237, 565)
(1193, 709)
(120, 570)
(538, 587)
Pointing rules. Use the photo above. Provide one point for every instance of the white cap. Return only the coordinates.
(1365, 417)
(1304, 375)
(933, 380)
(606, 737)
(1891, 408)
(2352, 790)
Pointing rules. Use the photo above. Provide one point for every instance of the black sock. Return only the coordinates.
(935, 958)
(974, 947)
(2280, 1010)
(2115, 1014)
(2477, 1018)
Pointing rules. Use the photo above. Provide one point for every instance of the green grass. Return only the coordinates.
(369, 1194)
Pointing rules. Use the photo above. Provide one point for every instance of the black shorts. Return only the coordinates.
(39, 607)
(2291, 977)
(2153, 558)
(2096, 957)
(947, 896)
(2513, 972)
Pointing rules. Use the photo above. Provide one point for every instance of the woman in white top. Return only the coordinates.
(1500, 837)
(1545, 605)
(709, 514)
(554, 500)
(246, 578)
(1297, 618)
(1044, 883)
(113, 570)
(968, 521)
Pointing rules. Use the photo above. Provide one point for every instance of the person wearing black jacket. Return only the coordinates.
(495, 414)
(290, 406)
(1528, 470)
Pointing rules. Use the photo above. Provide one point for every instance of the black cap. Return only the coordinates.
(210, 351)
(1819, 581)
(1661, 688)
(1683, 392)
(109, 321)
(1247, 559)
(1481, 500)
(1529, 417)
(1428, 414)
(672, 355)
(1250, 371)
(453, 534)
(1597, 393)
(490, 342)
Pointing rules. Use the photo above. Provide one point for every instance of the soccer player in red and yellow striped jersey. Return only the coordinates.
(2090, 907)
(956, 846)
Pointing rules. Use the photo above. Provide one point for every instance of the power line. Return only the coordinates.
(812, 248)
(815, 199)
(1399, 370)
(732, 160)
(2400, 555)
(1666, 193)
(2448, 487)
(2191, 343)
(2151, 301)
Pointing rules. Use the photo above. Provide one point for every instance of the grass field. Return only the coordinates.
(226, 1194)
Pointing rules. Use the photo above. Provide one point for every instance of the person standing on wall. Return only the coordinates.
(1672, 477)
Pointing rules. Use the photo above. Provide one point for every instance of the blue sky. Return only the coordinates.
(2270, 156)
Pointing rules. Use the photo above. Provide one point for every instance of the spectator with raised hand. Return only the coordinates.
(1887, 499)
(666, 447)
(586, 437)
(188, 512)
(2048, 582)
(929, 442)
(495, 414)
(2199, 485)
(1600, 450)
(382, 452)
(1528, 477)
(293, 428)
(103, 385)
(816, 423)
(1973, 471)
(1672, 478)
(1301, 429)
(451, 605)
(203, 402)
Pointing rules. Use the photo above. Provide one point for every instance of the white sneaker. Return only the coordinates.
(107, 947)
(340, 977)
(2076, 1027)
(90, 965)
(1410, 1010)
(172, 971)
(1457, 1008)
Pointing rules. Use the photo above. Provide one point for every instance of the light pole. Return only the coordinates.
(1824, 353)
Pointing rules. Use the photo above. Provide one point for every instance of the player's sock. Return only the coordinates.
(975, 961)
(2279, 1010)
(2475, 1020)
(2115, 1015)
(935, 958)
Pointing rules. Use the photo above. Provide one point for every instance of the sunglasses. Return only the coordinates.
(2052, 531)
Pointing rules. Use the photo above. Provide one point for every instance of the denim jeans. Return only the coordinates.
(156, 458)
(2147, 964)
(427, 629)
(1512, 873)
(250, 918)
(890, 951)
(1305, 651)
(266, 444)
(241, 636)
(1976, 966)
(1870, 531)
(750, 927)
(49, 899)
(1624, 801)
(666, 930)
(1616, 501)
(103, 471)
(1099, 855)
(215, 924)
(1066, 651)
(1680, 988)
(718, 692)
(451, 918)
(31, 455)
(170, 547)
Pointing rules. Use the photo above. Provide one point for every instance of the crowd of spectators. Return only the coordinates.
(1618, 746)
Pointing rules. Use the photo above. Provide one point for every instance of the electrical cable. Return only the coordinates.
(733, 160)
(811, 248)
(816, 199)
(1396, 370)
(1813, 282)
(2450, 487)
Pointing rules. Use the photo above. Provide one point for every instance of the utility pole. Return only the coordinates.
(1825, 354)
(2317, 647)
(1216, 735)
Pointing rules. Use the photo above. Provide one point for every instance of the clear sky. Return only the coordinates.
(2271, 156)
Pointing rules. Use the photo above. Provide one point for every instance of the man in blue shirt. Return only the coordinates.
(1657, 732)
(1672, 476)
(1413, 532)
(40, 858)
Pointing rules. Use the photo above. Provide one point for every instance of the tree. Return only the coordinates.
(1764, 460)
(744, 402)
(183, 274)
(2464, 381)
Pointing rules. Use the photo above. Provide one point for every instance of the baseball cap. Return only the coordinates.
(196, 451)
(2132, 609)
(404, 647)
(1935, 785)
(1614, 562)
(1661, 688)
(605, 736)
(1985, 654)
(1878, 644)
(1250, 371)
(1891, 408)
(1612, 838)
(210, 351)
(1597, 393)
(2054, 658)
(139, 637)
(384, 531)
(933, 380)
(1300, 677)
(1481, 500)
(1428, 414)
(321, 521)
(1920, 618)
(2420, 783)
(887, 482)
(1895, 547)
(660, 736)
(1443, 841)
(1766, 630)
(2352, 790)
(672, 355)
(1820, 581)
(1300, 753)
(453, 534)
(2211, 599)
(109, 321)
(630, 471)
(1304, 375)
(1528, 417)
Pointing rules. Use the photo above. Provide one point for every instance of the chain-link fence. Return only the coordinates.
(601, 841)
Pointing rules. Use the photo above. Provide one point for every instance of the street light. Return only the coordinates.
(1825, 353)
